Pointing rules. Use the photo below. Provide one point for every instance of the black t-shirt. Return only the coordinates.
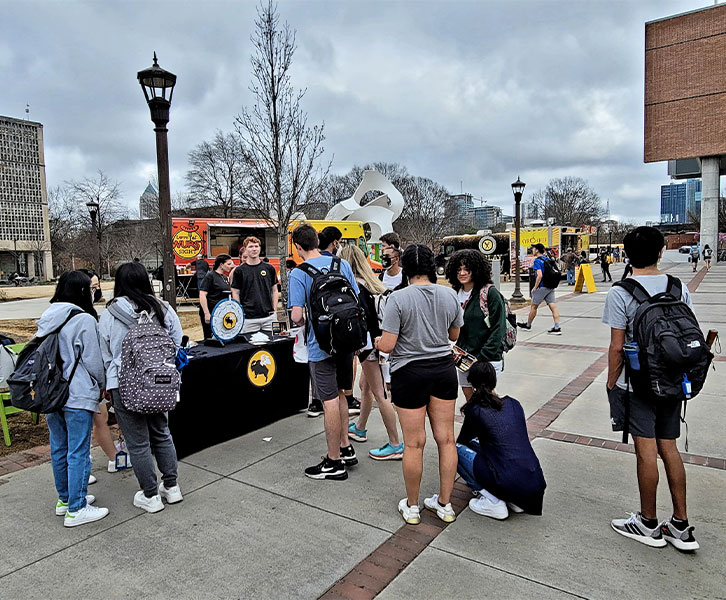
(255, 284)
(217, 288)
(201, 268)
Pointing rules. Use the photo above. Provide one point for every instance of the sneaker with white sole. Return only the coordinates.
(514, 508)
(150, 505)
(357, 435)
(633, 528)
(328, 469)
(484, 506)
(92, 479)
(315, 408)
(555, 331)
(172, 495)
(683, 540)
(88, 514)
(445, 513)
(112, 466)
(347, 455)
(387, 452)
(410, 514)
(61, 508)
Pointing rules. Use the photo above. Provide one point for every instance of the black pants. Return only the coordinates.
(206, 327)
(606, 271)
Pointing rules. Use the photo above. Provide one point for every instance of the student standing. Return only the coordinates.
(147, 435)
(331, 375)
(70, 428)
(418, 324)
(254, 285)
(215, 288)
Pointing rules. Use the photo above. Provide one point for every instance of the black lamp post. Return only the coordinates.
(93, 211)
(158, 86)
(518, 190)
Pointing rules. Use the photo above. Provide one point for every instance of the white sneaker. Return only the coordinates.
(172, 495)
(484, 506)
(410, 514)
(151, 505)
(87, 514)
(112, 466)
(61, 508)
(445, 513)
(514, 508)
(92, 479)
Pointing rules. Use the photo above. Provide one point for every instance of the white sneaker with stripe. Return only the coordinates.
(633, 528)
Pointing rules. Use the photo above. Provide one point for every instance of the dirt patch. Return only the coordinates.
(21, 330)
(24, 434)
(26, 292)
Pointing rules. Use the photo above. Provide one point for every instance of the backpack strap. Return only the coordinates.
(483, 294)
(635, 289)
(308, 269)
(675, 287)
(121, 315)
(335, 264)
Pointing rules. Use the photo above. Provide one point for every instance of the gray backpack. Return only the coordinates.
(148, 380)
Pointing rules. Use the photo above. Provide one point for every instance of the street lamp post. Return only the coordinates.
(158, 87)
(518, 190)
(93, 211)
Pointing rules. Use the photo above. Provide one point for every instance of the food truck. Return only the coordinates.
(555, 238)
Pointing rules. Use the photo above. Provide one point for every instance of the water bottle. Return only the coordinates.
(631, 353)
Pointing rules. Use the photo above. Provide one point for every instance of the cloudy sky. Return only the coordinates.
(469, 93)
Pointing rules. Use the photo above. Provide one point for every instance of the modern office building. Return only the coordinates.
(149, 203)
(486, 217)
(678, 200)
(24, 228)
(463, 218)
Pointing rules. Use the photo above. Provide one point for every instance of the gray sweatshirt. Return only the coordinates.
(78, 336)
(112, 332)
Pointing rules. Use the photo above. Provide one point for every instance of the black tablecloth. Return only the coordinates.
(219, 398)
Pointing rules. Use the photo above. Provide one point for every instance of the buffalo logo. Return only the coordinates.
(261, 369)
(229, 321)
(263, 273)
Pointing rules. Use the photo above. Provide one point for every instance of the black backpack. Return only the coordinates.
(551, 275)
(336, 315)
(672, 350)
(37, 384)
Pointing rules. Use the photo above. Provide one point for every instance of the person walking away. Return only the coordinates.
(147, 434)
(372, 294)
(470, 274)
(569, 261)
(495, 455)
(72, 315)
(605, 260)
(695, 255)
(331, 376)
(214, 288)
(653, 423)
(254, 286)
(201, 268)
(542, 293)
(707, 254)
(418, 323)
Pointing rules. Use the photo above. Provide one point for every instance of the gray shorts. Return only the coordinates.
(543, 294)
(659, 419)
(330, 375)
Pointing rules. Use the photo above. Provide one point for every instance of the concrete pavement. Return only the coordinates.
(252, 526)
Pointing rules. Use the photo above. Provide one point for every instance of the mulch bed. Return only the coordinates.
(24, 435)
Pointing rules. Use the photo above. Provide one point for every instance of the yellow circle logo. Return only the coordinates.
(261, 369)
(187, 244)
(229, 320)
(487, 245)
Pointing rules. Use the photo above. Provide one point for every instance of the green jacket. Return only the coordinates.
(478, 339)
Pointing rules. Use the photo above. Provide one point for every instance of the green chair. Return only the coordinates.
(6, 408)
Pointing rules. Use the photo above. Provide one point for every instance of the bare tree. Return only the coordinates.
(217, 173)
(569, 200)
(424, 217)
(280, 150)
(695, 218)
(66, 221)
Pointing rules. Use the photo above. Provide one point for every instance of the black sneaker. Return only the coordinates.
(328, 469)
(555, 331)
(353, 406)
(683, 540)
(524, 325)
(347, 455)
(316, 408)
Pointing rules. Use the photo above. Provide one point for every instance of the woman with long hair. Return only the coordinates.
(418, 323)
(482, 336)
(147, 435)
(495, 456)
(372, 292)
(72, 315)
(213, 289)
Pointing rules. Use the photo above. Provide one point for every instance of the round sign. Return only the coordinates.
(227, 320)
(487, 244)
(187, 244)
(261, 368)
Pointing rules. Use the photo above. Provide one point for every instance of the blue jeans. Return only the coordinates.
(571, 276)
(465, 467)
(70, 448)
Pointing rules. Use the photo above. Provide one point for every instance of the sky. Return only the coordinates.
(471, 94)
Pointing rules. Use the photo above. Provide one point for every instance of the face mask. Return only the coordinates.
(97, 295)
(386, 261)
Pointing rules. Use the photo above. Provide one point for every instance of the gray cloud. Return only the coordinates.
(472, 92)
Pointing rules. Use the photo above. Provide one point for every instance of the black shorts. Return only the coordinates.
(659, 419)
(413, 384)
(330, 375)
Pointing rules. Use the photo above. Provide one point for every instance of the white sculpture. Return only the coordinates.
(380, 213)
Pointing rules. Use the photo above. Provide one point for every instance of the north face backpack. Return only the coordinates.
(149, 381)
(37, 383)
(672, 351)
(510, 336)
(336, 315)
(551, 275)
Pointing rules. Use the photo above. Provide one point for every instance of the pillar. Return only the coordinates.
(47, 265)
(710, 191)
(30, 262)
